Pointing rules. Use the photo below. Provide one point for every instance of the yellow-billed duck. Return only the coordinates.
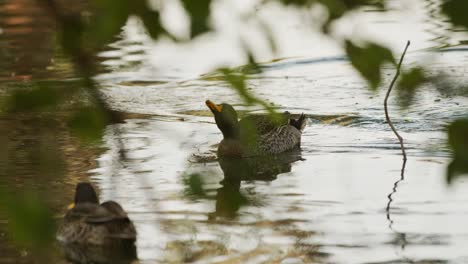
(88, 222)
(255, 135)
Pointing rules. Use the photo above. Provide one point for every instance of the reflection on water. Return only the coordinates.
(229, 198)
(28, 48)
(342, 199)
(400, 237)
(119, 253)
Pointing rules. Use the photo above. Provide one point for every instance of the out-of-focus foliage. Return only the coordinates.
(35, 99)
(29, 221)
(239, 82)
(199, 12)
(458, 140)
(89, 124)
(107, 22)
(407, 85)
(194, 186)
(456, 12)
(368, 60)
(82, 36)
(107, 19)
(336, 8)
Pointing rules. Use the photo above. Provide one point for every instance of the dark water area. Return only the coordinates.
(341, 199)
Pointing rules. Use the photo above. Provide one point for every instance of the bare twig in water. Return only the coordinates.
(400, 236)
(387, 116)
(390, 198)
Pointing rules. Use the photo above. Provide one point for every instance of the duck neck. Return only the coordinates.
(232, 133)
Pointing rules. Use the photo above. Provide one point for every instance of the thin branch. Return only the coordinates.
(387, 116)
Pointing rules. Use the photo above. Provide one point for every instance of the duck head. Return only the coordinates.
(84, 194)
(226, 119)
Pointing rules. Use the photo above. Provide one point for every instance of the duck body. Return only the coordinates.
(255, 135)
(91, 223)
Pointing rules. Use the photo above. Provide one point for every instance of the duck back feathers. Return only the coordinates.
(91, 223)
(256, 134)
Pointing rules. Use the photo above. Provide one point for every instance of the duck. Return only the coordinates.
(90, 223)
(255, 135)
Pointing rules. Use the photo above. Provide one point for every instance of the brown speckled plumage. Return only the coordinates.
(89, 222)
(255, 135)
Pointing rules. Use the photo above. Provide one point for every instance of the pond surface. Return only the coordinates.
(345, 200)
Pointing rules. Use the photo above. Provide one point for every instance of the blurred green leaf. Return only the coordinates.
(151, 19)
(299, 3)
(199, 12)
(194, 185)
(458, 140)
(456, 10)
(37, 98)
(239, 82)
(152, 22)
(407, 85)
(249, 133)
(30, 222)
(89, 124)
(336, 8)
(252, 67)
(368, 60)
(269, 36)
(72, 33)
(108, 19)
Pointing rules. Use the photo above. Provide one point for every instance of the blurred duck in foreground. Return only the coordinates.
(88, 222)
(255, 135)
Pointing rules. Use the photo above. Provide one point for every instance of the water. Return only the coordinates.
(345, 201)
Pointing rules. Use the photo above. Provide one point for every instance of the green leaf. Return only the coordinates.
(336, 8)
(269, 36)
(368, 60)
(239, 82)
(88, 124)
(194, 185)
(299, 3)
(37, 98)
(456, 10)
(252, 67)
(151, 20)
(407, 85)
(30, 223)
(108, 19)
(458, 140)
(199, 12)
(71, 34)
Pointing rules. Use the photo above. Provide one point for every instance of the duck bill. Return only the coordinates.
(213, 107)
